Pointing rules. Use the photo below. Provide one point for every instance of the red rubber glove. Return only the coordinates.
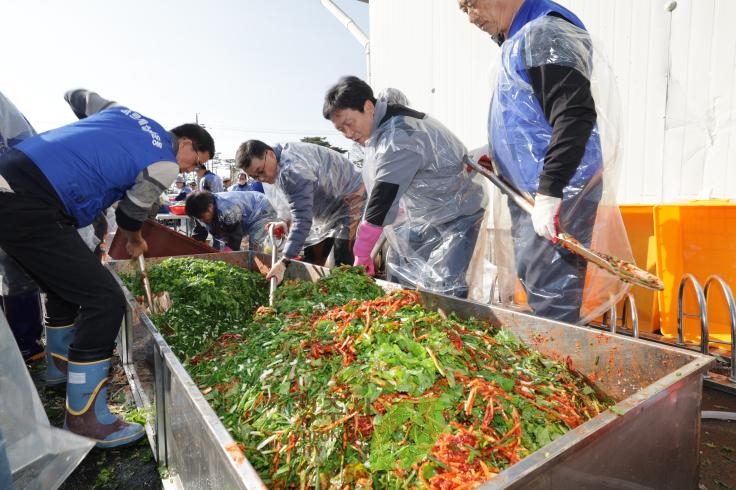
(279, 228)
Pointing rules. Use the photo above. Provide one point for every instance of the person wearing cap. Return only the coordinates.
(208, 180)
(226, 183)
(549, 138)
(421, 194)
(232, 216)
(182, 187)
(325, 194)
(58, 181)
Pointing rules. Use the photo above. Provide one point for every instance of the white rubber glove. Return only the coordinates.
(277, 271)
(544, 215)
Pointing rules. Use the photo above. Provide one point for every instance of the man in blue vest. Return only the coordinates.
(58, 181)
(545, 133)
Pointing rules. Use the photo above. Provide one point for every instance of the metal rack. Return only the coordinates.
(628, 308)
(701, 294)
(610, 322)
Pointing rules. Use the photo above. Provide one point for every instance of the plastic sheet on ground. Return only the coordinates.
(33, 454)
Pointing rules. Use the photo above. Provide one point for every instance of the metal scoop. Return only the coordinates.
(624, 270)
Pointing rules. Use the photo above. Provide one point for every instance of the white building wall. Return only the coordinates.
(676, 74)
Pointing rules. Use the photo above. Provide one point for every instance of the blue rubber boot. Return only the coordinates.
(57, 353)
(86, 406)
(23, 311)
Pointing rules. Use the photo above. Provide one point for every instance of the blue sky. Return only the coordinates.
(248, 68)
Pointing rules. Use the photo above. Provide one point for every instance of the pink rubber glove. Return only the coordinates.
(366, 262)
(365, 240)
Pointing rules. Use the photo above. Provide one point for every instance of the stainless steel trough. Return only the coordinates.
(649, 441)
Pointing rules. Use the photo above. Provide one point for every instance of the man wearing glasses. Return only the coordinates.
(56, 182)
(551, 138)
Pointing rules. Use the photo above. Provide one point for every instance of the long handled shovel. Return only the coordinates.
(274, 258)
(624, 270)
(146, 283)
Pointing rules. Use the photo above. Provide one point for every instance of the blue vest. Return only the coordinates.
(518, 132)
(239, 207)
(92, 162)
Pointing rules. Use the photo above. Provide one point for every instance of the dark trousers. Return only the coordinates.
(317, 253)
(43, 239)
(439, 256)
(553, 278)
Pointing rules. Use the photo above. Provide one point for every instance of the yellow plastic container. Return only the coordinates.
(699, 238)
(639, 222)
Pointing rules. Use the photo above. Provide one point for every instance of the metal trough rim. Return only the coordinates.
(546, 456)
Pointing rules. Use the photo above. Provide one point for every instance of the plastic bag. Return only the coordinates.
(88, 236)
(33, 454)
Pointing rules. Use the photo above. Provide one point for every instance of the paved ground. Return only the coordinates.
(718, 444)
(130, 467)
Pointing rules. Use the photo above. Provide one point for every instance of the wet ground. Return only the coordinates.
(718, 443)
(134, 467)
(131, 467)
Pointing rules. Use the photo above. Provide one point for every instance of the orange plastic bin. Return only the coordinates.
(639, 223)
(699, 238)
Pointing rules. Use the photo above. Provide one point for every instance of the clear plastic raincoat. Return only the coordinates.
(241, 213)
(325, 194)
(432, 223)
(14, 127)
(522, 141)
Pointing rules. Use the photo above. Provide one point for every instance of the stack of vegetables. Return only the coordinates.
(342, 386)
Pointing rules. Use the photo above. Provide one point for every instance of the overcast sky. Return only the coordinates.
(248, 68)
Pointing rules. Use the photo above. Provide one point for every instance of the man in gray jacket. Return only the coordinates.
(421, 195)
(325, 195)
